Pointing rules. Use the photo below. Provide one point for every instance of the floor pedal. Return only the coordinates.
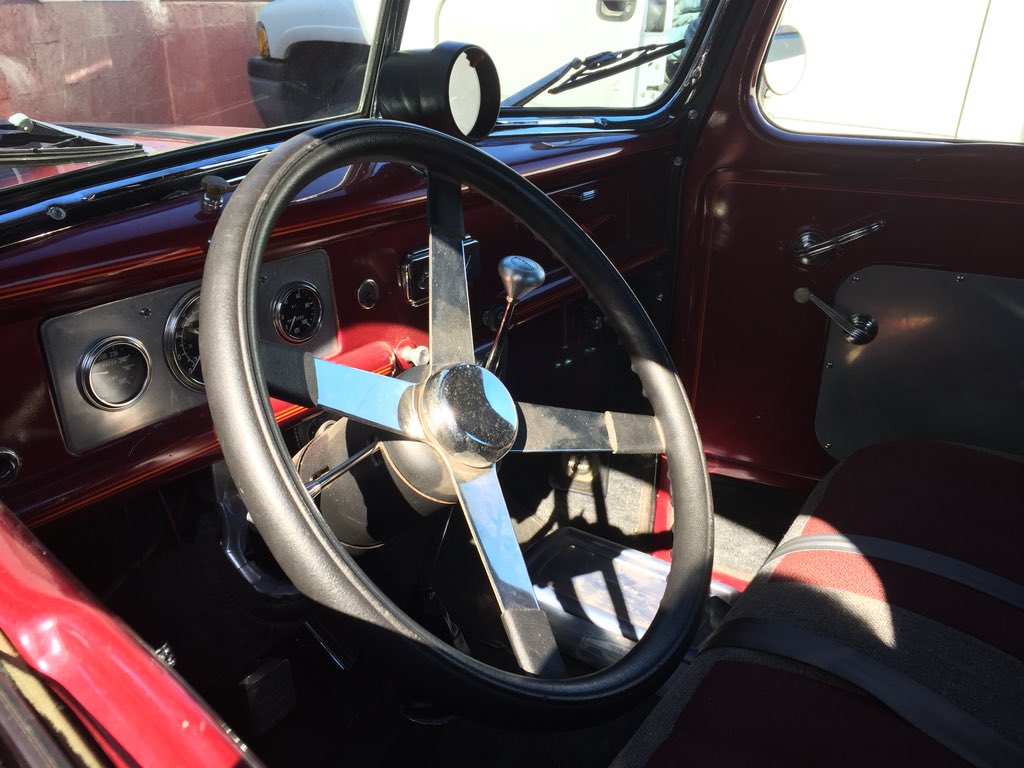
(270, 694)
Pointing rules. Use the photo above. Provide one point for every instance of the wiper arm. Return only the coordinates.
(20, 130)
(595, 67)
(57, 143)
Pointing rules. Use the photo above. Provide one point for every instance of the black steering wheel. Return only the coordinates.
(458, 408)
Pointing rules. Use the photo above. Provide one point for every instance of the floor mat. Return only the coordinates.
(750, 519)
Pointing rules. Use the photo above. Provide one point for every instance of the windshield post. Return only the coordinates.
(387, 40)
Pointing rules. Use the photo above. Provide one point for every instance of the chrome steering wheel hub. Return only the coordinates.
(469, 415)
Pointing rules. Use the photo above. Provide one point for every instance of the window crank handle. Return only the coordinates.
(810, 250)
(858, 328)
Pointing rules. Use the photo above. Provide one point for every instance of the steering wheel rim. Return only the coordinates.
(286, 516)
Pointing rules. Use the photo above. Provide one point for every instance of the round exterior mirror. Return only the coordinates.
(787, 56)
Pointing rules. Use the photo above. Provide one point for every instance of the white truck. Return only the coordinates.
(313, 53)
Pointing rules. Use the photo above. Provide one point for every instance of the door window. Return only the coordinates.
(932, 69)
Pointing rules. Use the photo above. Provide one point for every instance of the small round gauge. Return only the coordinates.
(181, 341)
(298, 312)
(114, 373)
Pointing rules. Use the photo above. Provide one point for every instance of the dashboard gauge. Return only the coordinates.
(298, 312)
(181, 341)
(114, 374)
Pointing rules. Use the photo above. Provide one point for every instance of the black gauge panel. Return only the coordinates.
(128, 364)
(181, 342)
(298, 312)
(114, 374)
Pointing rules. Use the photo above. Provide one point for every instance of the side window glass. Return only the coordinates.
(922, 69)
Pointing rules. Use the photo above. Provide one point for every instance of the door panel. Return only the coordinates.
(755, 357)
(947, 361)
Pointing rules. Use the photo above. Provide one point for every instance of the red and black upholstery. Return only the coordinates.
(913, 563)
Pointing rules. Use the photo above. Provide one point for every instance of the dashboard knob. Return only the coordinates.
(214, 188)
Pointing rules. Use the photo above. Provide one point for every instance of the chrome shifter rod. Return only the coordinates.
(520, 276)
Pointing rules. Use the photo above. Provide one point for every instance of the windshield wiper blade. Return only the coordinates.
(58, 154)
(20, 130)
(595, 67)
(57, 143)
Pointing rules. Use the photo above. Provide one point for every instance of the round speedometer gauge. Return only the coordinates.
(181, 341)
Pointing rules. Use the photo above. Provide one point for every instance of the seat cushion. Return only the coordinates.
(952, 500)
(955, 639)
(747, 711)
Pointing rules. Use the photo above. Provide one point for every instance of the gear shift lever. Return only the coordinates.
(520, 276)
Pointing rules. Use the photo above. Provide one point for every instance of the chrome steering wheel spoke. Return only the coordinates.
(526, 625)
(451, 328)
(370, 398)
(544, 428)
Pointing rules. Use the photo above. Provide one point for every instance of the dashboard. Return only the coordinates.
(104, 395)
(122, 366)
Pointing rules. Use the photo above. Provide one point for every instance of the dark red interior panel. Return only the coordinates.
(754, 357)
(367, 218)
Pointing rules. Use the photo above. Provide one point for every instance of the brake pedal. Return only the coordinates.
(269, 694)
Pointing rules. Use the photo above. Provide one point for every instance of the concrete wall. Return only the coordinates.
(129, 61)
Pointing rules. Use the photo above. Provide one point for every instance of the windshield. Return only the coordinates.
(529, 41)
(141, 77)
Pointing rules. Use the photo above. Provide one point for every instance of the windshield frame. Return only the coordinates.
(175, 168)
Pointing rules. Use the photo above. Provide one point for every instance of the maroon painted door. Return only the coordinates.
(779, 394)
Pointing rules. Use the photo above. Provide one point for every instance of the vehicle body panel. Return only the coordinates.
(288, 22)
(131, 703)
(757, 356)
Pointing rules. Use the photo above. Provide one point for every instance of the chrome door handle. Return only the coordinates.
(810, 250)
(858, 328)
